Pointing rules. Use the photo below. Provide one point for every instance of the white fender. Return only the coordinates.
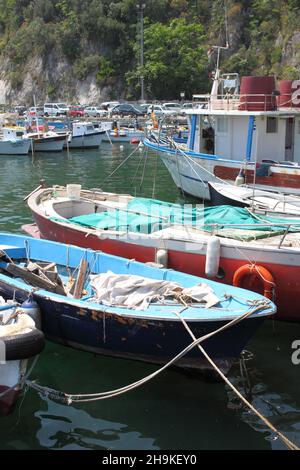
(213, 252)
(161, 257)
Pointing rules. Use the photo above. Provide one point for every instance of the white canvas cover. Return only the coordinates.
(136, 292)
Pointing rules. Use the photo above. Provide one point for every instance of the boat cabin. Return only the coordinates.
(83, 128)
(13, 133)
(251, 120)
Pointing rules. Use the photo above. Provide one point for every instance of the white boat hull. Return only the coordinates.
(49, 144)
(85, 141)
(17, 147)
(191, 174)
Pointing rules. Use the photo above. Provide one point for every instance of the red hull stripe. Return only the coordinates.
(287, 180)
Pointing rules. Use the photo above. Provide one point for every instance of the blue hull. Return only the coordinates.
(139, 339)
(155, 335)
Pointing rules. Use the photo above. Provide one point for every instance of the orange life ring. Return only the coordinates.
(260, 272)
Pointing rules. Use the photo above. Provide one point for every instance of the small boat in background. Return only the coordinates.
(13, 143)
(124, 134)
(20, 340)
(47, 141)
(112, 306)
(84, 135)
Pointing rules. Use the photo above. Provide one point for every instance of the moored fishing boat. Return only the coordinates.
(238, 127)
(13, 143)
(125, 308)
(84, 135)
(47, 141)
(179, 238)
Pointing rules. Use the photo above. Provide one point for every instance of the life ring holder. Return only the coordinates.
(259, 271)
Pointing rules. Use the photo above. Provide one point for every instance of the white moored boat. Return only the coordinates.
(84, 135)
(13, 143)
(246, 127)
(47, 141)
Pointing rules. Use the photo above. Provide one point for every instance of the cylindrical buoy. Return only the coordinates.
(213, 252)
(121, 147)
(161, 257)
(31, 308)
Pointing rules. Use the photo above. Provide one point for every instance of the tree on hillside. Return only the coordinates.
(175, 59)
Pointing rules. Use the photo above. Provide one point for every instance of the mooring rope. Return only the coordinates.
(119, 166)
(79, 398)
(20, 384)
(69, 398)
(284, 439)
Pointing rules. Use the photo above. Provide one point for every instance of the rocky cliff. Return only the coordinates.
(88, 50)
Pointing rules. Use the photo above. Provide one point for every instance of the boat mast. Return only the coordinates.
(215, 86)
(36, 117)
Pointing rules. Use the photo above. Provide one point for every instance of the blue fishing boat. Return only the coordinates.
(108, 310)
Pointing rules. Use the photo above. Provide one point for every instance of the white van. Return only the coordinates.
(55, 109)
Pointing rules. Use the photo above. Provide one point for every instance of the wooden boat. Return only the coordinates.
(181, 246)
(20, 340)
(116, 326)
(259, 201)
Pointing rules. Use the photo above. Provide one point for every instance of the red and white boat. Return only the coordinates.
(250, 128)
(261, 260)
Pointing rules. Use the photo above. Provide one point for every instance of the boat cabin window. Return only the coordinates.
(222, 125)
(272, 125)
(19, 133)
(89, 128)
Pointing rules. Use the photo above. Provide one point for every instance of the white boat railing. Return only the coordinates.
(237, 102)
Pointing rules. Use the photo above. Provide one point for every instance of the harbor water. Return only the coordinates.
(175, 411)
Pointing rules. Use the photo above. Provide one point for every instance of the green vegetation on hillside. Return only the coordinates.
(101, 38)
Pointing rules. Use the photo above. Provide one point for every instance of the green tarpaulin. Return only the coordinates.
(149, 215)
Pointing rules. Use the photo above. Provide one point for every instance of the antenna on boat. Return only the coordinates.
(214, 90)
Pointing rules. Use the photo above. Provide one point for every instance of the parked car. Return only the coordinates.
(171, 108)
(36, 111)
(109, 105)
(144, 107)
(20, 110)
(55, 109)
(76, 111)
(95, 111)
(157, 109)
(127, 109)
